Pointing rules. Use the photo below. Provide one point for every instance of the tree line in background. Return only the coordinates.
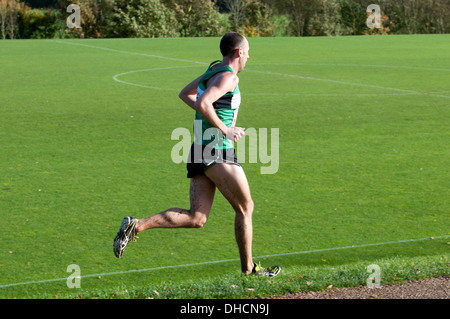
(200, 18)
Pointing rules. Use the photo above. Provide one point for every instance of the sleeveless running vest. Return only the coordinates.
(226, 108)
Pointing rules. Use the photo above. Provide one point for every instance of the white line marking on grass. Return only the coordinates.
(348, 83)
(329, 94)
(249, 70)
(129, 52)
(358, 65)
(354, 246)
(115, 77)
(400, 91)
(224, 261)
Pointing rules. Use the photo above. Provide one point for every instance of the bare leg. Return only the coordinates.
(201, 196)
(231, 181)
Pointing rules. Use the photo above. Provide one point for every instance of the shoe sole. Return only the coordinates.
(118, 241)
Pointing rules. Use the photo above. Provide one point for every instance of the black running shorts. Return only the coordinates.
(202, 157)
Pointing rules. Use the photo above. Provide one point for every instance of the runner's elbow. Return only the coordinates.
(200, 105)
(183, 95)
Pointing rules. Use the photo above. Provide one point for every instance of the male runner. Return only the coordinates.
(212, 163)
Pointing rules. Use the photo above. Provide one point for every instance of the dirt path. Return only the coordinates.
(432, 288)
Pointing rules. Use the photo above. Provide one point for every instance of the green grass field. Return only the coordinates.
(363, 177)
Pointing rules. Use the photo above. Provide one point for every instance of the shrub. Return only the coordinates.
(41, 24)
(258, 20)
(10, 10)
(141, 18)
(196, 18)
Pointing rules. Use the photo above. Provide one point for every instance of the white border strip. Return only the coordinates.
(225, 261)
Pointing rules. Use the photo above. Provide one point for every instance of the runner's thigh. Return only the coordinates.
(231, 181)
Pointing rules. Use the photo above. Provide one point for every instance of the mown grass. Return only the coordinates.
(293, 279)
(363, 125)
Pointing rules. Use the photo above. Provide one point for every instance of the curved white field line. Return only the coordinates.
(400, 91)
(116, 77)
(272, 73)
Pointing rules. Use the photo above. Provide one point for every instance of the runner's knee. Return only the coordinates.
(245, 208)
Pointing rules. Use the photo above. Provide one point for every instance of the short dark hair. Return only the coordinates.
(231, 42)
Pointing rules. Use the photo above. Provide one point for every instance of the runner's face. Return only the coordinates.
(244, 55)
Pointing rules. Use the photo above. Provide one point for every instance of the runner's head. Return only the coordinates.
(234, 45)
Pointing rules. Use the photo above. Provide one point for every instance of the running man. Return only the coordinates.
(212, 162)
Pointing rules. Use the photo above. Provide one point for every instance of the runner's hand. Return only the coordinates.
(235, 133)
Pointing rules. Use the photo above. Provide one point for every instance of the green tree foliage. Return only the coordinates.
(10, 10)
(196, 18)
(94, 17)
(41, 24)
(258, 21)
(200, 18)
(353, 15)
(250, 17)
(141, 18)
(348, 17)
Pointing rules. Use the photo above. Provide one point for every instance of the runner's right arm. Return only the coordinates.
(189, 93)
(220, 84)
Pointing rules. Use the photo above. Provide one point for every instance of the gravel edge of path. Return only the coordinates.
(429, 288)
